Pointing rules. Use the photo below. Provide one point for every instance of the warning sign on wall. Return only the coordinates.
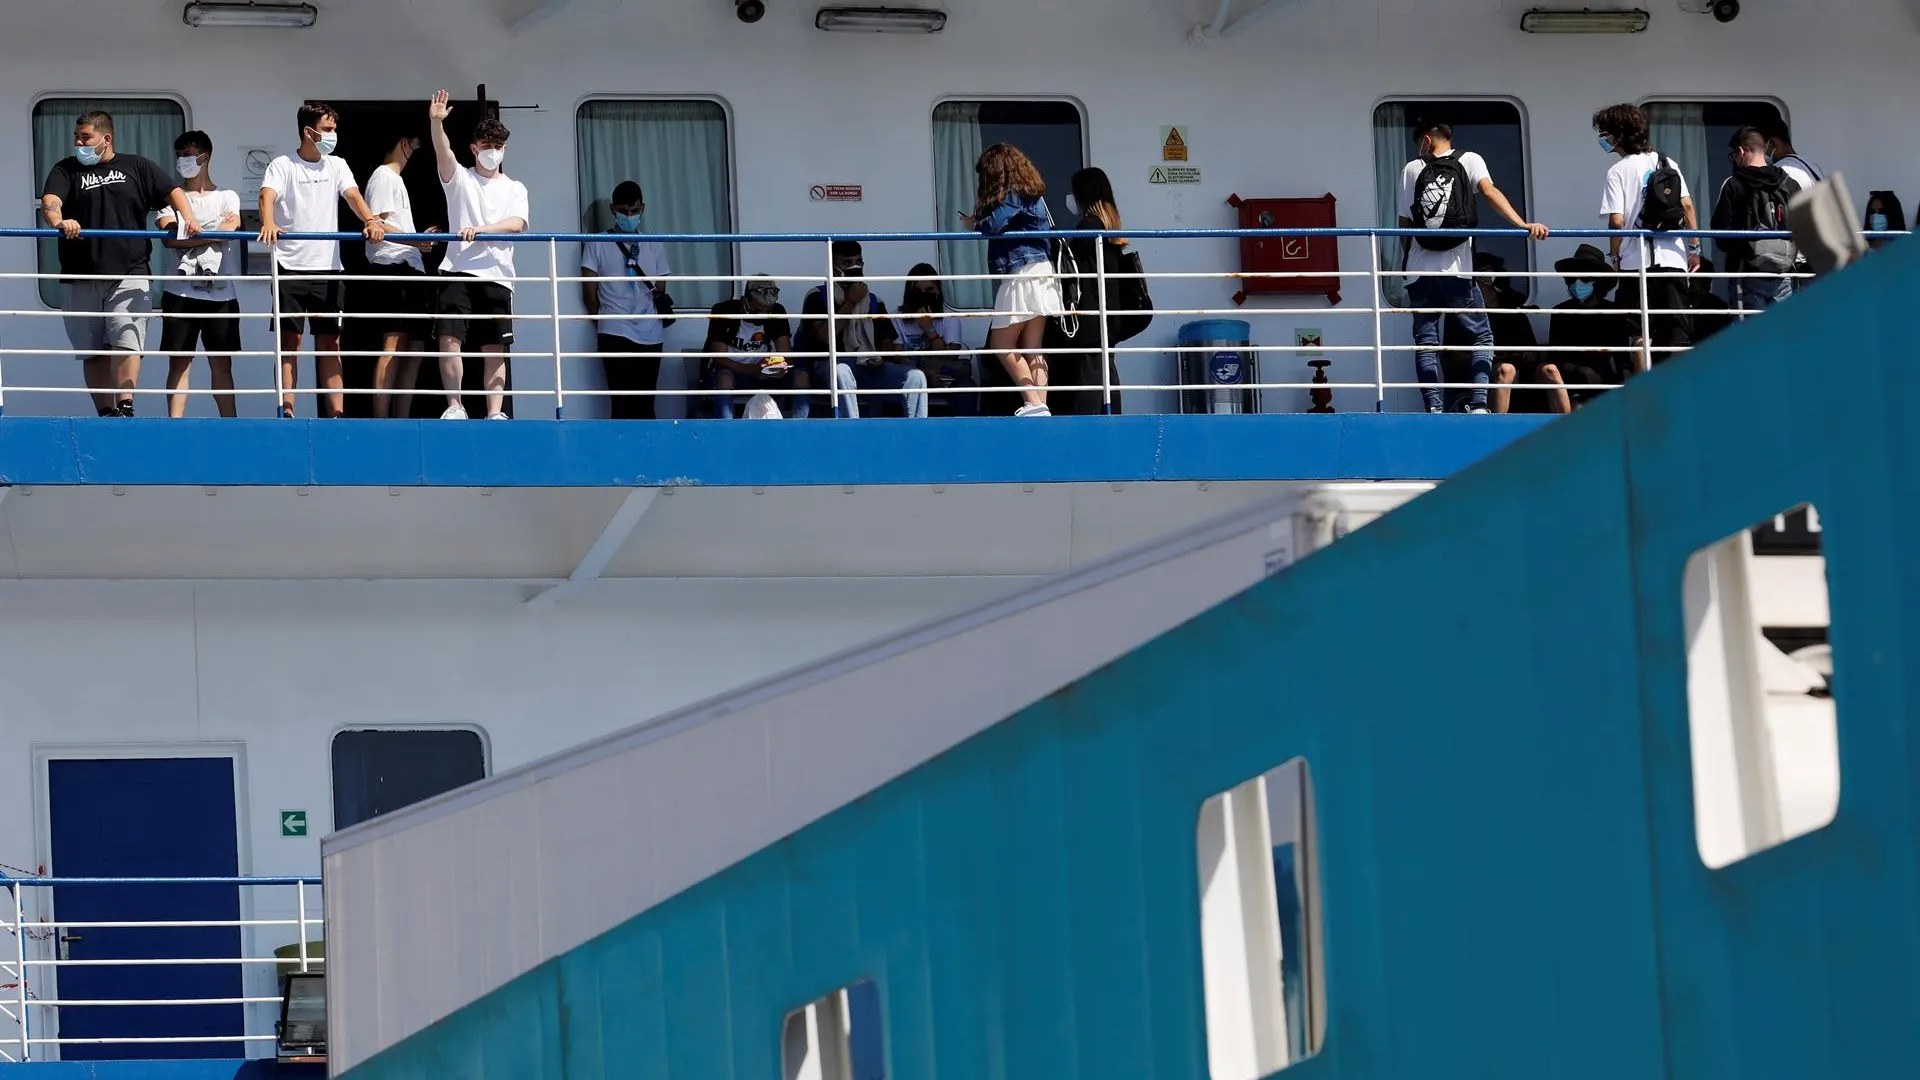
(1173, 144)
(836, 193)
(1173, 174)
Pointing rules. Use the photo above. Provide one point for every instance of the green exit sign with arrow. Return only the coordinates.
(293, 823)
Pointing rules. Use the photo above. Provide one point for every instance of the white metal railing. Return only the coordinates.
(36, 947)
(1371, 332)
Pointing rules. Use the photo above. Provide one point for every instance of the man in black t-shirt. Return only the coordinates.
(103, 285)
(742, 337)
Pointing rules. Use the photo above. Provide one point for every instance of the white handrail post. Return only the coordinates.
(273, 329)
(833, 337)
(1377, 292)
(300, 897)
(559, 374)
(1646, 308)
(1106, 347)
(20, 958)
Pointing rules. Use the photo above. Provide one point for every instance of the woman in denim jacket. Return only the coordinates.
(1010, 203)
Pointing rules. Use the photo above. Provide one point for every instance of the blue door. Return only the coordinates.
(146, 817)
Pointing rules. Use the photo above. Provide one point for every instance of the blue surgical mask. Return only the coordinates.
(1583, 291)
(325, 141)
(88, 155)
(628, 222)
(1606, 144)
(1876, 223)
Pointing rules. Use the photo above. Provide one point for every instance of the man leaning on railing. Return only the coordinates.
(104, 287)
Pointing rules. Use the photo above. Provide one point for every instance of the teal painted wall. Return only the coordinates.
(1510, 878)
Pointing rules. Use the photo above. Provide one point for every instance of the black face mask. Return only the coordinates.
(920, 300)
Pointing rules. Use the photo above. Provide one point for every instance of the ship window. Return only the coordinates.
(144, 126)
(379, 770)
(1695, 135)
(1260, 951)
(1494, 130)
(837, 1035)
(1761, 710)
(1051, 133)
(677, 152)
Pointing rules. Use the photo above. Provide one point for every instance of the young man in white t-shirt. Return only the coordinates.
(198, 308)
(1446, 272)
(401, 301)
(301, 193)
(476, 300)
(1622, 130)
(627, 278)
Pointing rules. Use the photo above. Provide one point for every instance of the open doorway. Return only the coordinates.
(368, 130)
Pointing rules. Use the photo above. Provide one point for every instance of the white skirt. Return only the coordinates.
(1031, 293)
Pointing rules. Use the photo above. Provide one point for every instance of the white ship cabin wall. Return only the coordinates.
(1285, 106)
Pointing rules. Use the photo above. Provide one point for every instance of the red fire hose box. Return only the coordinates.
(1288, 254)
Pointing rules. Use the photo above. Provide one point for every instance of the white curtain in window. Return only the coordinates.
(142, 126)
(677, 152)
(1390, 156)
(1679, 130)
(956, 147)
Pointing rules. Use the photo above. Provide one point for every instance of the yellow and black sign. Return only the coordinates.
(1173, 144)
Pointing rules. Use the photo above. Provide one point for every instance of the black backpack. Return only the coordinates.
(1443, 199)
(1660, 209)
(1766, 211)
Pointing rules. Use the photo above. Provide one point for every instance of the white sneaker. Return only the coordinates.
(1033, 410)
(499, 416)
(455, 411)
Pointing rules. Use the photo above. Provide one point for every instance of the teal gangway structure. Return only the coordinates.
(1490, 687)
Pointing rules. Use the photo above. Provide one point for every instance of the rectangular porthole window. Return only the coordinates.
(145, 126)
(379, 770)
(677, 151)
(836, 1037)
(1260, 925)
(1051, 133)
(1695, 134)
(1493, 129)
(1760, 690)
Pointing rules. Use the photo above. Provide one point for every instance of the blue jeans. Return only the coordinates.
(885, 375)
(1759, 294)
(1450, 292)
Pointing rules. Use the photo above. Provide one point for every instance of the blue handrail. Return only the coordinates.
(946, 237)
(63, 882)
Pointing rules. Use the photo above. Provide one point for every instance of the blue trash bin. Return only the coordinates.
(1222, 358)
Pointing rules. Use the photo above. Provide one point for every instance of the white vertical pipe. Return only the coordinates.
(1106, 349)
(833, 338)
(1378, 287)
(559, 374)
(273, 328)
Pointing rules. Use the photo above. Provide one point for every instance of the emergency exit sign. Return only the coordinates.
(293, 823)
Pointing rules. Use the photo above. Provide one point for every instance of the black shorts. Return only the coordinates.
(1666, 291)
(305, 300)
(401, 303)
(466, 304)
(188, 323)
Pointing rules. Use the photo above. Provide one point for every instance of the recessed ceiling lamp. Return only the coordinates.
(1584, 21)
(247, 14)
(881, 20)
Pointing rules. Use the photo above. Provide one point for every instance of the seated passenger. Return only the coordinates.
(864, 333)
(1884, 214)
(746, 337)
(1513, 341)
(926, 325)
(1589, 320)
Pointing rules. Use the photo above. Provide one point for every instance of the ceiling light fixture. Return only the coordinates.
(881, 20)
(1584, 21)
(244, 13)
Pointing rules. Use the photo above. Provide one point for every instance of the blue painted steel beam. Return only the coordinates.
(592, 453)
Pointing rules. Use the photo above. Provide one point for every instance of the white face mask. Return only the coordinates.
(490, 158)
(1073, 205)
(187, 167)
